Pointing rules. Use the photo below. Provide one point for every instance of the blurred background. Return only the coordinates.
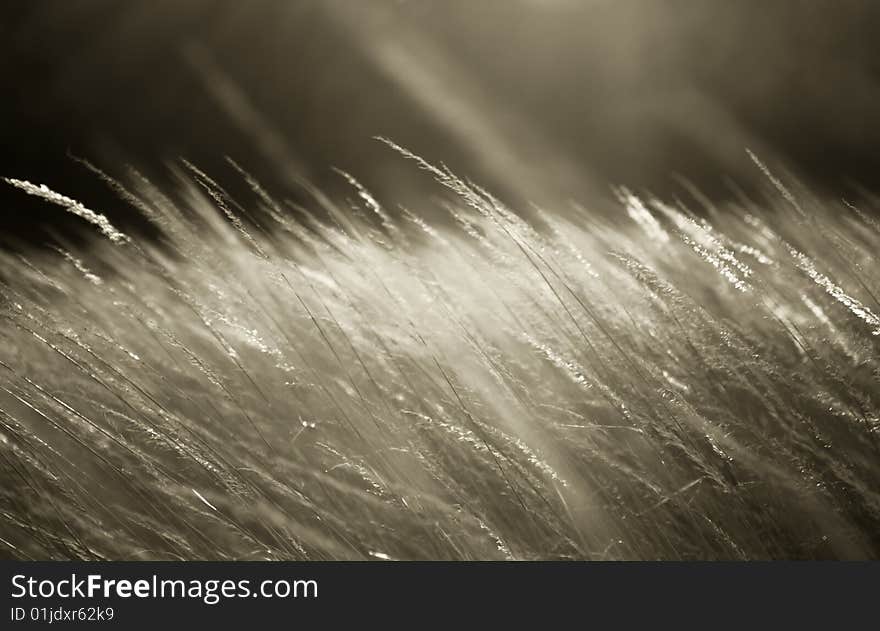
(540, 100)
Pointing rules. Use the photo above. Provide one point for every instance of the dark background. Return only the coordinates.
(538, 99)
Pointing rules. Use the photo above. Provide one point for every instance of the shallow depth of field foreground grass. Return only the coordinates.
(258, 384)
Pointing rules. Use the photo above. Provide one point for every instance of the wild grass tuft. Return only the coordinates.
(660, 384)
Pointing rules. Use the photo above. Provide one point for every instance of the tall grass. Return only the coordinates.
(362, 383)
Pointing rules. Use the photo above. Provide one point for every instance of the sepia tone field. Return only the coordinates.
(264, 381)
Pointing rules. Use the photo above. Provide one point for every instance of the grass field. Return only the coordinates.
(673, 381)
